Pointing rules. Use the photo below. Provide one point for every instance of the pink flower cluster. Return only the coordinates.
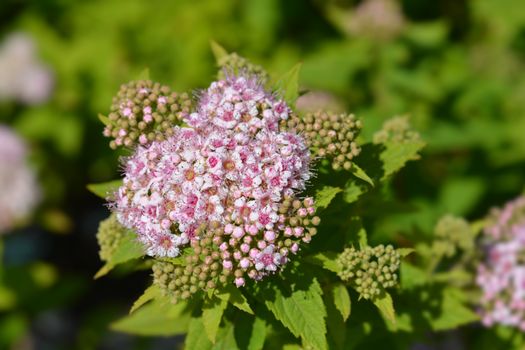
(502, 276)
(19, 192)
(232, 169)
(24, 77)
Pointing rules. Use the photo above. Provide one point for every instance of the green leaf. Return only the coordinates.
(405, 251)
(226, 338)
(386, 306)
(105, 189)
(258, 334)
(292, 347)
(144, 74)
(397, 154)
(412, 276)
(327, 260)
(289, 85)
(404, 322)
(129, 248)
(459, 196)
(212, 312)
(105, 120)
(363, 238)
(453, 313)
(7, 298)
(149, 294)
(195, 339)
(250, 331)
(234, 296)
(361, 174)
(342, 300)
(353, 191)
(218, 51)
(300, 308)
(324, 196)
(335, 323)
(155, 319)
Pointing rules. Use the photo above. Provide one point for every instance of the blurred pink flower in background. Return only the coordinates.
(502, 276)
(19, 192)
(381, 19)
(23, 77)
(316, 100)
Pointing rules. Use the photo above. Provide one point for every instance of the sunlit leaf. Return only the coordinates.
(386, 306)
(325, 195)
(342, 300)
(105, 189)
(212, 311)
(155, 319)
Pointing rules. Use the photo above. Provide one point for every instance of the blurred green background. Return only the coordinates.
(456, 67)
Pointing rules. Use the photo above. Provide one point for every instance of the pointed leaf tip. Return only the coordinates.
(218, 51)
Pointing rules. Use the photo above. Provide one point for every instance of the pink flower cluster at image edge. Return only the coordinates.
(19, 192)
(502, 276)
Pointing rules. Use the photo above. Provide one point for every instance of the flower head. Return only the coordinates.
(233, 174)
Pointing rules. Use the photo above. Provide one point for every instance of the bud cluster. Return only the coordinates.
(329, 135)
(144, 111)
(501, 276)
(396, 129)
(235, 64)
(201, 271)
(109, 235)
(451, 233)
(370, 270)
(249, 252)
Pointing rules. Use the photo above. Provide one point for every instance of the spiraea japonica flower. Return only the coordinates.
(501, 277)
(19, 192)
(231, 179)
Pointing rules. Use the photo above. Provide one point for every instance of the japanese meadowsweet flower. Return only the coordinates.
(18, 190)
(233, 173)
(501, 277)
